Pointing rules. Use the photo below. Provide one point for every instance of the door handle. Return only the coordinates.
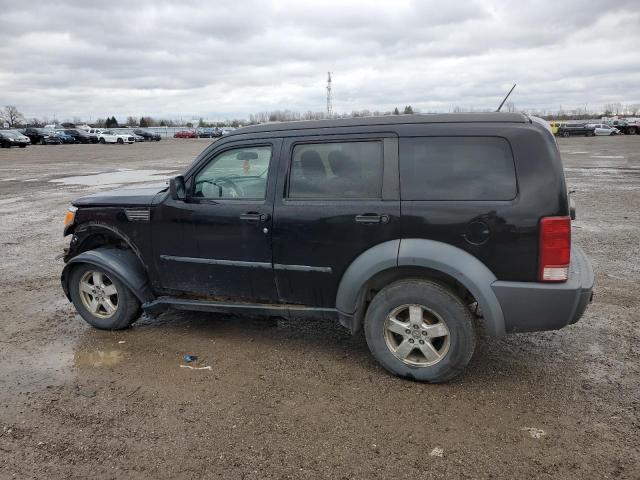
(371, 218)
(255, 217)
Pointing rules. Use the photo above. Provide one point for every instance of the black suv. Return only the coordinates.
(148, 135)
(424, 230)
(576, 129)
(41, 136)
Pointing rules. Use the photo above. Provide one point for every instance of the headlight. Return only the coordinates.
(70, 216)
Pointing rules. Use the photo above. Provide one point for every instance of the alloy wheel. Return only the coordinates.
(416, 335)
(98, 293)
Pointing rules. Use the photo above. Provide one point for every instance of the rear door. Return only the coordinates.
(336, 197)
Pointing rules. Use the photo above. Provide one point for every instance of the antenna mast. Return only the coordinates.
(505, 98)
(329, 99)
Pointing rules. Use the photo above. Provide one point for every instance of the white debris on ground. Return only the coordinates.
(208, 367)
(437, 452)
(534, 432)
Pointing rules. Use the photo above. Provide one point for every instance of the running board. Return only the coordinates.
(269, 309)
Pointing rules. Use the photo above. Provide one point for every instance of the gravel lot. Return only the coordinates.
(296, 399)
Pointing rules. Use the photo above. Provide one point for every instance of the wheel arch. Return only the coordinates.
(121, 263)
(417, 258)
(92, 235)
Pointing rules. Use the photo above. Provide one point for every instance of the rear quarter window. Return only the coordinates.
(457, 168)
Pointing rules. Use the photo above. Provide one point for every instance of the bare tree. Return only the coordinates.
(11, 115)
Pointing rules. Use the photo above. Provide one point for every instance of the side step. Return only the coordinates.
(268, 309)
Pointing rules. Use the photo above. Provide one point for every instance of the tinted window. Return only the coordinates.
(456, 168)
(337, 170)
(240, 173)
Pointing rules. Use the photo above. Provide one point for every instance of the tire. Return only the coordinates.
(566, 134)
(22, 146)
(120, 141)
(102, 141)
(43, 141)
(127, 306)
(451, 345)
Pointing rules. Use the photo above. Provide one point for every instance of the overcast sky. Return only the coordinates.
(227, 59)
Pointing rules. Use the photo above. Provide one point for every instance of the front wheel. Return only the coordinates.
(120, 141)
(420, 330)
(566, 134)
(102, 140)
(101, 299)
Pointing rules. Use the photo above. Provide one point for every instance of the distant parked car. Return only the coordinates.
(64, 137)
(13, 138)
(227, 130)
(604, 129)
(109, 136)
(575, 129)
(185, 134)
(41, 136)
(81, 136)
(136, 137)
(148, 135)
(206, 133)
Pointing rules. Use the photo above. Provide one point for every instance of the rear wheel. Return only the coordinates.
(120, 141)
(566, 134)
(421, 330)
(101, 141)
(101, 299)
(43, 141)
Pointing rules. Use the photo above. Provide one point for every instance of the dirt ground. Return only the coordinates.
(303, 399)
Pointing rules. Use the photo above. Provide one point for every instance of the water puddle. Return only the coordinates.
(607, 156)
(98, 358)
(7, 201)
(116, 178)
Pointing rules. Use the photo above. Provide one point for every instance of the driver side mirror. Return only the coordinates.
(177, 189)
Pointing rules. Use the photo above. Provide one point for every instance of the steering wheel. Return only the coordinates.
(227, 183)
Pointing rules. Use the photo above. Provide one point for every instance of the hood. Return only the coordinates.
(141, 196)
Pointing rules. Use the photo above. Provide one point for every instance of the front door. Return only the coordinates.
(217, 242)
(337, 196)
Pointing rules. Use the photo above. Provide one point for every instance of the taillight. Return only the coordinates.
(555, 249)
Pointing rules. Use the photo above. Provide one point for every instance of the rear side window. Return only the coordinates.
(457, 168)
(336, 170)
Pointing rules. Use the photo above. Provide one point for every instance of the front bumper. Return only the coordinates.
(533, 306)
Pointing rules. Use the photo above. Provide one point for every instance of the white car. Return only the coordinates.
(604, 129)
(109, 136)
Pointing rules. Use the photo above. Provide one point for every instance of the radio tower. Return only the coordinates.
(329, 100)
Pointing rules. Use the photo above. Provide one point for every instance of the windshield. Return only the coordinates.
(11, 133)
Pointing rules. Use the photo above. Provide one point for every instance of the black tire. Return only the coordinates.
(566, 134)
(102, 141)
(120, 141)
(456, 349)
(22, 146)
(43, 141)
(127, 309)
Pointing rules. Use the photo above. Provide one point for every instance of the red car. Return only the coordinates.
(185, 134)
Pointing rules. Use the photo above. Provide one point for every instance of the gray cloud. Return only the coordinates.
(229, 58)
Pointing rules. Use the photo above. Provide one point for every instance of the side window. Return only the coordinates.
(456, 168)
(240, 173)
(336, 170)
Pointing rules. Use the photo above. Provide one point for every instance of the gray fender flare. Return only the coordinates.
(122, 264)
(453, 261)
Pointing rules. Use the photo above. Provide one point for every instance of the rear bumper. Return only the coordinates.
(532, 306)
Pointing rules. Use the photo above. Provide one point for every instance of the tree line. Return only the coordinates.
(11, 116)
